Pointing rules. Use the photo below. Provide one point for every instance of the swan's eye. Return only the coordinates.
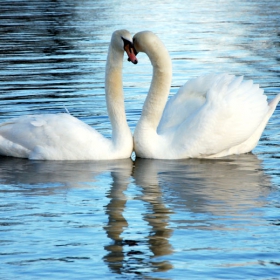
(128, 44)
(125, 43)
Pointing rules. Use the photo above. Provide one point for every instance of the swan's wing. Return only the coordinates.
(51, 136)
(189, 98)
(233, 110)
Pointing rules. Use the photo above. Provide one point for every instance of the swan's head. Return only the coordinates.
(144, 41)
(122, 40)
(149, 43)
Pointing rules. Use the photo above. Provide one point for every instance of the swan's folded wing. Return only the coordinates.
(233, 111)
(51, 136)
(188, 100)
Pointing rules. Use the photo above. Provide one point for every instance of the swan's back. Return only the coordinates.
(213, 113)
(52, 137)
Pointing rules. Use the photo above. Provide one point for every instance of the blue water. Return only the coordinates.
(136, 219)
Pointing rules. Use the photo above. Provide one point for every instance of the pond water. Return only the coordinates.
(136, 218)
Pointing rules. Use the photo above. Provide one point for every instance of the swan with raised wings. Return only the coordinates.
(64, 137)
(211, 116)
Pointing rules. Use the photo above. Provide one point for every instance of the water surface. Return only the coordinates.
(136, 218)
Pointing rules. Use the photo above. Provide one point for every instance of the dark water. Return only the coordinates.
(136, 219)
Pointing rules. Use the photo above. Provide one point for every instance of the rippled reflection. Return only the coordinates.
(130, 256)
(41, 177)
(225, 191)
(209, 199)
(200, 184)
(173, 195)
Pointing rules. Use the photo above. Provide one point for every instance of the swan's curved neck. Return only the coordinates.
(160, 85)
(114, 96)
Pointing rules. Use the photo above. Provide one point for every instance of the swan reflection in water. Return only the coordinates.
(129, 255)
(222, 187)
(199, 185)
(30, 176)
(216, 187)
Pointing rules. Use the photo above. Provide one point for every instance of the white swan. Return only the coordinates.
(64, 137)
(211, 116)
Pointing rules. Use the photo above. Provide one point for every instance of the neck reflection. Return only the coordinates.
(131, 255)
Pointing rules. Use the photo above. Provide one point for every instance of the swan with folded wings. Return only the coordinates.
(64, 137)
(211, 116)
